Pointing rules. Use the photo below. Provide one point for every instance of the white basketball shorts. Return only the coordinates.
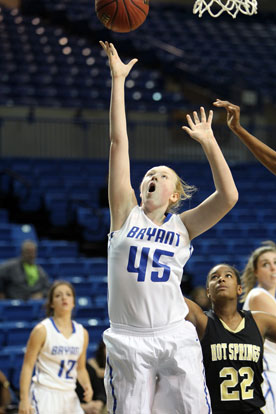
(50, 401)
(158, 372)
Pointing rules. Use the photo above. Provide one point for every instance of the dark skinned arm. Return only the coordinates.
(197, 317)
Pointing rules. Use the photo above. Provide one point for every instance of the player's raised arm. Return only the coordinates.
(263, 153)
(215, 207)
(197, 317)
(121, 194)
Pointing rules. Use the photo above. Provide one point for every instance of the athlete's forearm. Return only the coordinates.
(263, 153)
(118, 126)
(222, 176)
(25, 382)
(84, 381)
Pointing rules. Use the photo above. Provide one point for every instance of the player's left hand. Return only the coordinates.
(200, 128)
(88, 393)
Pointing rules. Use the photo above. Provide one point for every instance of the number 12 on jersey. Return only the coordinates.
(66, 368)
(143, 265)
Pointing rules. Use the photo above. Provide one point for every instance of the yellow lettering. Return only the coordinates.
(213, 352)
(230, 349)
(241, 352)
(219, 354)
(236, 351)
(224, 348)
(249, 352)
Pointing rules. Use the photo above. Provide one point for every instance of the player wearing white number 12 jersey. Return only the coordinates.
(154, 359)
(57, 348)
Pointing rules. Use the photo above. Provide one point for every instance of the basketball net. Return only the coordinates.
(232, 7)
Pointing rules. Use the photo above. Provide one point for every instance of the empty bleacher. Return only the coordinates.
(52, 61)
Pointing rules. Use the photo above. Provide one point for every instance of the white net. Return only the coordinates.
(232, 7)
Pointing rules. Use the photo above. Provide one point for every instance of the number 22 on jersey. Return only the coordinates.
(232, 374)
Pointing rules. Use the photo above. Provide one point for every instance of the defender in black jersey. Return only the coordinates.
(232, 345)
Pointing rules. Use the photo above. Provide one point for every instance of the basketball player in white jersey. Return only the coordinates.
(259, 282)
(57, 349)
(154, 359)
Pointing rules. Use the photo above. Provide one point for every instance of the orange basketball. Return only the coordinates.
(122, 15)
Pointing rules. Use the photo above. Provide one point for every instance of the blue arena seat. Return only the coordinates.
(6, 231)
(98, 286)
(70, 267)
(16, 333)
(17, 358)
(17, 310)
(4, 215)
(21, 232)
(6, 363)
(97, 266)
(8, 250)
(57, 248)
(95, 328)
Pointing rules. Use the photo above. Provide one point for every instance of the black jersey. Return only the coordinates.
(233, 364)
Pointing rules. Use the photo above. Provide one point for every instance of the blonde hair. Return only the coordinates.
(184, 190)
(248, 276)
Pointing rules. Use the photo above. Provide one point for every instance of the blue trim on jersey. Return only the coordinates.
(112, 386)
(54, 325)
(269, 388)
(74, 327)
(56, 328)
(35, 401)
(168, 216)
(206, 390)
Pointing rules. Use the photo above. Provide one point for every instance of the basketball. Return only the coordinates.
(122, 16)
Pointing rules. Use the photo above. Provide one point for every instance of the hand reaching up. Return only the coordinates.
(117, 67)
(233, 113)
(200, 128)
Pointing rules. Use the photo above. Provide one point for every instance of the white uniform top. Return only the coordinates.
(269, 347)
(145, 267)
(57, 360)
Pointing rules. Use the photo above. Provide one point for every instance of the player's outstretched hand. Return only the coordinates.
(117, 67)
(25, 408)
(200, 128)
(233, 113)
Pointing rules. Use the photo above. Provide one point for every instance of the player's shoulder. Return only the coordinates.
(260, 297)
(14, 261)
(38, 333)
(258, 292)
(40, 327)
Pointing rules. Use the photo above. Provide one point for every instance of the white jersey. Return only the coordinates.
(145, 268)
(269, 347)
(57, 360)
